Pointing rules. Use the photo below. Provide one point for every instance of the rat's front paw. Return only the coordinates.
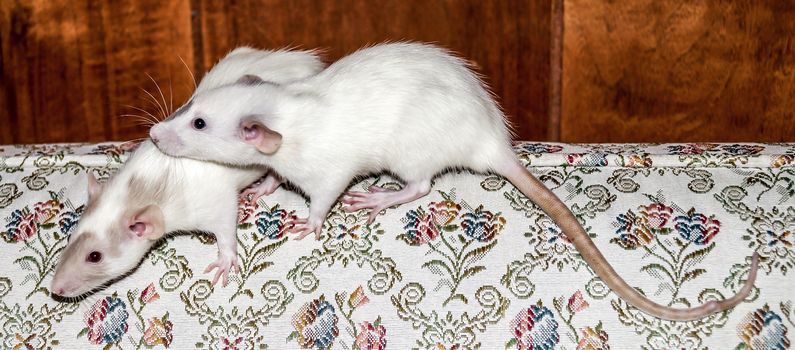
(224, 264)
(264, 188)
(304, 227)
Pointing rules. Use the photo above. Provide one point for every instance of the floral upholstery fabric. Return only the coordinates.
(473, 265)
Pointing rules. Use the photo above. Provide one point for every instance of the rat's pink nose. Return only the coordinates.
(153, 134)
(164, 138)
(60, 287)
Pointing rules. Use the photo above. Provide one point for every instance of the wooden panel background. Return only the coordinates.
(652, 70)
(70, 67)
(632, 71)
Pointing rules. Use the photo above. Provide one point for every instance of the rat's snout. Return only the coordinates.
(64, 287)
(165, 138)
(155, 132)
(153, 135)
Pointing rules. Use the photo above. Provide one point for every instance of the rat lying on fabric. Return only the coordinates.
(413, 110)
(153, 193)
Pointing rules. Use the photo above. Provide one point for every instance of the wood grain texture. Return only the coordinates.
(70, 67)
(508, 40)
(665, 70)
(555, 69)
(632, 71)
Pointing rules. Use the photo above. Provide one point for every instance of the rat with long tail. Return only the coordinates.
(413, 110)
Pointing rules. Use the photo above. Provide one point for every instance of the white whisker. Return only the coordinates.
(163, 97)
(141, 120)
(156, 102)
(170, 97)
(139, 139)
(142, 110)
(192, 77)
(137, 116)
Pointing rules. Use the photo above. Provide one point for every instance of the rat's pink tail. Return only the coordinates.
(520, 177)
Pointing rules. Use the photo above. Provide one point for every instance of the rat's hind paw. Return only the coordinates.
(304, 227)
(223, 265)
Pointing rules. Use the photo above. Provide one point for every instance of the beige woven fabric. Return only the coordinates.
(472, 265)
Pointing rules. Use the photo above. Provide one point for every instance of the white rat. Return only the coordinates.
(153, 194)
(410, 109)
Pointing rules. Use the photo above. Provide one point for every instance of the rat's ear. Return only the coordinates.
(94, 187)
(250, 79)
(266, 140)
(148, 223)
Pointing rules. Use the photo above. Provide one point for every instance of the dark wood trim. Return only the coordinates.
(196, 35)
(555, 70)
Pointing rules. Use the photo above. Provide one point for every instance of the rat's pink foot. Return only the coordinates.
(379, 189)
(264, 188)
(304, 227)
(224, 264)
(379, 198)
(375, 201)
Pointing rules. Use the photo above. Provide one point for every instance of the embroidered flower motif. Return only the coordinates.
(690, 149)
(639, 160)
(554, 233)
(24, 223)
(443, 213)
(783, 160)
(636, 230)
(21, 227)
(245, 209)
(149, 294)
(697, 227)
(316, 324)
(535, 328)
(553, 247)
(371, 337)
(357, 298)
(593, 339)
(577, 303)
(232, 344)
(774, 238)
(107, 320)
(420, 228)
(115, 151)
(655, 215)
(342, 225)
(763, 329)
(587, 159)
(482, 225)
(68, 221)
(46, 211)
(742, 150)
(274, 223)
(159, 332)
(539, 148)
(28, 341)
(631, 232)
(231, 336)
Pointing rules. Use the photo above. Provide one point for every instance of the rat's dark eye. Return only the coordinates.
(94, 257)
(199, 123)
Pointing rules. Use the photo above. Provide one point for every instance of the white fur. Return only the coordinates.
(277, 66)
(410, 109)
(192, 195)
(401, 107)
